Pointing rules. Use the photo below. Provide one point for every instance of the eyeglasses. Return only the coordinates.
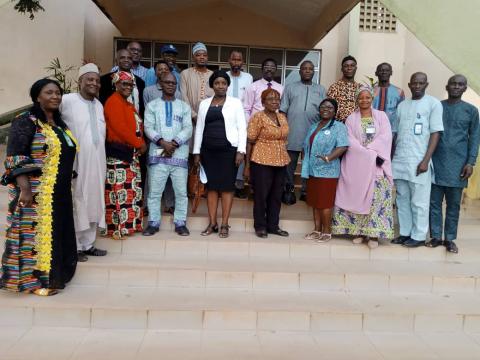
(126, 84)
(135, 50)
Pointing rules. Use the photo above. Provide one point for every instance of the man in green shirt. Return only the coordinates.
(453, 162)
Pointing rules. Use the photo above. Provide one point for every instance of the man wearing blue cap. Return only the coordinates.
(169, 55)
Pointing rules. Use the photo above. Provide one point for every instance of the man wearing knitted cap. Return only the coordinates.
(83, 114)
(194, 80)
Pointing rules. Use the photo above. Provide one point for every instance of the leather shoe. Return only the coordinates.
(150, 230)
(81, 256)
(410, 243)
(400, 240)
(261, 233)
(182, 230)
(451, 246)
(279, 232)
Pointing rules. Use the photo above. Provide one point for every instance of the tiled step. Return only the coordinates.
(243, 244)
(230, 309)
(108, 344)
(153, 271)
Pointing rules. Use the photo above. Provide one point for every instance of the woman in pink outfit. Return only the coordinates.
(364, 203)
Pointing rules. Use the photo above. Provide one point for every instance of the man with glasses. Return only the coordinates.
(168, 126)
(252, 102)
(137, 68)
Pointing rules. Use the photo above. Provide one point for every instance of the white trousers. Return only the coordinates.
(86, 238)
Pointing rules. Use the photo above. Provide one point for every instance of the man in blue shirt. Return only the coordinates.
(417, 132)
(169, 55)
(453, 162)
(168, 125)
(300, 102)
(387, 96)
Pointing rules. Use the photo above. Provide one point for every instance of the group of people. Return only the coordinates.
(106, 156)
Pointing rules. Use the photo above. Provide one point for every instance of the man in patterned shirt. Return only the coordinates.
(344, 89)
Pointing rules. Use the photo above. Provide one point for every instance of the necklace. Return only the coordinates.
(221, 102)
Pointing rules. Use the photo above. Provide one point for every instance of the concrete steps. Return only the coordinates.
(253, 310)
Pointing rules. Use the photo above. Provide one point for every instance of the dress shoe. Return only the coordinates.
(261, 233)
(241, 193)
(410, 243)
(451, 246)
(279, 232)
(81, 256)
(182, 230)
(150, 230)
(93, 251)
(400, 240)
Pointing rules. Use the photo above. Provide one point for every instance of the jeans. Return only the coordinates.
(453, 196)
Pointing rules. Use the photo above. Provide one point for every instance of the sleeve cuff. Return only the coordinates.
(179, 141)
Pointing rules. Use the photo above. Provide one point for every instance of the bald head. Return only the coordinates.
(418, 84)
(456, 86)
(124, 60)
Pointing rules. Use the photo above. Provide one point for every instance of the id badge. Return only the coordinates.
(158, 152)
(370, 130)
(68, 140)
(418, 128)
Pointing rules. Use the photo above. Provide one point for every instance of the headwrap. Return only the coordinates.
(122, 76)
(198, 46)
(216, 74)
(88, 68)
(362, 88)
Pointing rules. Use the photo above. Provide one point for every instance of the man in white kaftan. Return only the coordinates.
(83, 114)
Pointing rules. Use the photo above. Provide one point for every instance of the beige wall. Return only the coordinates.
(29, 46)
(401, 49)
(99, 34)
(233, 25)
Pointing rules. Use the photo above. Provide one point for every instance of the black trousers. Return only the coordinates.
(268, 182)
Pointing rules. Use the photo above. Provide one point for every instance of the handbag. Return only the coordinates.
(288, 196)
(195, 188)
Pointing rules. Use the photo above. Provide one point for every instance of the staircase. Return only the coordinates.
(171, 297)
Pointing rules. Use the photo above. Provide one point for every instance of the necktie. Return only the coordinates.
(269, 85)
(93, 123)
(235, 86)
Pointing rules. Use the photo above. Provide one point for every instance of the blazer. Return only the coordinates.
(235, 123)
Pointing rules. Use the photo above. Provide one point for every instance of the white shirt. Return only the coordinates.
(86, 121)
(235, 124)
(242, 81)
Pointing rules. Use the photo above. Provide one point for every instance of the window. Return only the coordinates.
(288, 60)
(374, 16)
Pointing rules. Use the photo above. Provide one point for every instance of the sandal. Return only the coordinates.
(314, 235)
(224, 231)
(358, 240)
(451, 246)
(45, 292)
(324, 238)
(210, 229)
(433, 243)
